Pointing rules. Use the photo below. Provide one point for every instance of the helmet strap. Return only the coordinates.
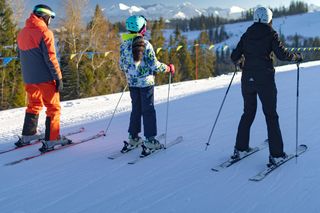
(143, 30)
(46, 19)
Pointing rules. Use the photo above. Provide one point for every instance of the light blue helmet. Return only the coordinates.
(136, 23)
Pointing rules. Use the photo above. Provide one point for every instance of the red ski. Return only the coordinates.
(38, 141)
(74, 143)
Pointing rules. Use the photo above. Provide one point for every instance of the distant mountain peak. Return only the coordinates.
(180, 15)
(236, 9)
(187, 3)
(136, 9)
(123, 6)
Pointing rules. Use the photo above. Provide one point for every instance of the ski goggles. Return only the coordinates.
(144, 29)
(46, 11)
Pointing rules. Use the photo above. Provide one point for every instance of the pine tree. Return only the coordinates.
(211, 35)
(103, 39)
(174, 59)
(73, 44)
(296, 40)
(93, 67)
(206, 59)
(186, 70)
(8, 29)
(177, 34)
(157, 40)
(12, 92)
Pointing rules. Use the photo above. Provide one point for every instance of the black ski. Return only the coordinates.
(74, 143)
(170, 144)
(261, 175)
(39, 141)
(119, 153)
(230, 161)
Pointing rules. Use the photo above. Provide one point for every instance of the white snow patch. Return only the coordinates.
(123, 6)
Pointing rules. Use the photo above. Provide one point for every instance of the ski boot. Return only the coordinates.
(276, 160)
(150, 145)
(25, 140)
(133, 143)
(48, 146)
(237, 154)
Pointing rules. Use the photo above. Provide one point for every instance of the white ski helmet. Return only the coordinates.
(262, 15)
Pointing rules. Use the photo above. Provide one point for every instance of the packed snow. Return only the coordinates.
(82, 178)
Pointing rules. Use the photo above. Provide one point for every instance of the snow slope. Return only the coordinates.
(82, 179)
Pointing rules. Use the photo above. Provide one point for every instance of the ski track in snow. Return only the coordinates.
(82, 179)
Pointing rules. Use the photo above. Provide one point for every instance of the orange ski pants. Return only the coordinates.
(45, 94)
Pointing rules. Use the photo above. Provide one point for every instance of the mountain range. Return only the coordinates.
(121, 11)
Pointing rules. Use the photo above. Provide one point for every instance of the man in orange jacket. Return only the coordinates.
(42, 77)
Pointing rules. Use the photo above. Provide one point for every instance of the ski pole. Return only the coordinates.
(167, 116)
(297, 110)
(115, 109)
(215, 122)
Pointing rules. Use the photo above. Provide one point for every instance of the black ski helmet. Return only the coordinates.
(42, 10)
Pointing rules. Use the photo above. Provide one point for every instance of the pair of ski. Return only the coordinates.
(262, 174)
(74, 143)
(80, 130)
(134, 161)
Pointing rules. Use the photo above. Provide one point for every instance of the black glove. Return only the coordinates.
(298, 57)
(59, 85)
(239, 63)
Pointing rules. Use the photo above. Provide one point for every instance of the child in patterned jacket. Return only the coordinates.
(139, 63)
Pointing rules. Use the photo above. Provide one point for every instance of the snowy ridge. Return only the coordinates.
(82, 179)
(121, 11)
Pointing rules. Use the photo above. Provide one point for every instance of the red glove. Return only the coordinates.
(171, 68)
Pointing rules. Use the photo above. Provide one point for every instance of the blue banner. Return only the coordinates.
(6, 60)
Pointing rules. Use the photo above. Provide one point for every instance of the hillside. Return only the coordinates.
(306, 25)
